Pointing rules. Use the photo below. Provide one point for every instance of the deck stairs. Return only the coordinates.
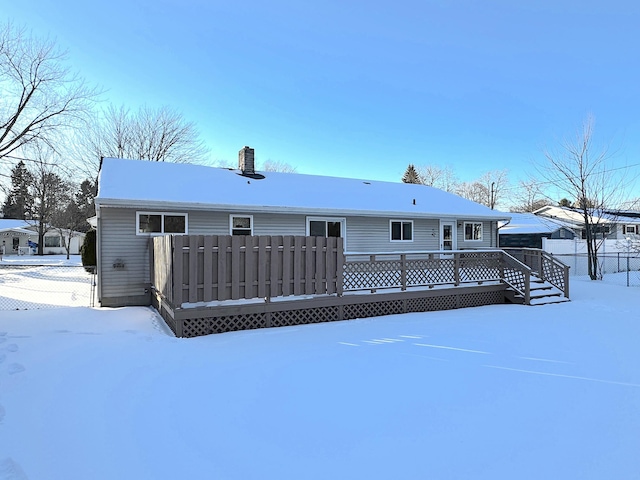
(541, 293)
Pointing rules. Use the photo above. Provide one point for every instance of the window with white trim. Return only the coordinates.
(241, 224)
(325, 227)
(401, 230)
(52, 241)
(149, 223)
(473, 231)
(629, 229)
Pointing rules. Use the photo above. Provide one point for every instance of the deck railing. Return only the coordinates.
(196, 268)
(544, 265)
(378, 271)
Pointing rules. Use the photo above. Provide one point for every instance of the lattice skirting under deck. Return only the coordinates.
(215, 320)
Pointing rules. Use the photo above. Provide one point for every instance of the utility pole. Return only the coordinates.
(492, 200)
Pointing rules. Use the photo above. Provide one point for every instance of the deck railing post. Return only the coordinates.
(527, 287)
(456, 268)
(540, 266)
(403, 271)
(566, 281)
(372, 259)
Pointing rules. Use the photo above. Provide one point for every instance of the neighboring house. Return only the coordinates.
(20, 237)
(614, 225)
(138, 199)
(528, 230)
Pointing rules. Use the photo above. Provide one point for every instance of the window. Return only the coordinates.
(241, 224)
(325, 227)
(597, 231)
(150, 223)
(473, 231)
(401, 230)
(52, 241)
(629, 229)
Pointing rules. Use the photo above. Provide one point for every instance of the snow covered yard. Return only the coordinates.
(30, 281)
(497, 392)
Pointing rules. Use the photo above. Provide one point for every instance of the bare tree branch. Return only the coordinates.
(579, 171)
(39, 96)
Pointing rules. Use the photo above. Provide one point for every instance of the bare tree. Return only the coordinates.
(438, 177)
(487, 190)
(68, 221)
(473, 191)
(160, 135)
(579, 170)
(493, 184)
(39, 96)
(275, 166)
(50, 192)
(528, 197)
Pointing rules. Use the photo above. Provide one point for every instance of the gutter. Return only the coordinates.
(172, 206)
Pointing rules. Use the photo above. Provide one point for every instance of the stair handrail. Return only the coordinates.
(558, 266)
(548, 267)
(524, 286)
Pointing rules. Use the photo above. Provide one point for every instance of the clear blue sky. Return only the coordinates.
(361, 89)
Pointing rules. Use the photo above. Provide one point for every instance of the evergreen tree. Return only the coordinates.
(19, 202)
(411, 175)
(88, 251)
(85, 204)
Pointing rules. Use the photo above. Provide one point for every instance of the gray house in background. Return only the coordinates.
(528, 230)
(140, 199)
(612, 224)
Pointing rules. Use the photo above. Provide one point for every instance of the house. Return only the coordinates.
(139, 199)
(613, 224)
(528, 230)
(20, 237)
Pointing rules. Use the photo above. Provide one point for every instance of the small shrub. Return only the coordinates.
(88, 251)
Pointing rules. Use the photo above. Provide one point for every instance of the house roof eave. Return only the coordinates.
(173, 206)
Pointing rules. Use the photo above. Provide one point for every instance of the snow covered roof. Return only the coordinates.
(575, 216)
(144, 184)
(522, 223)
(10, 224)
(22, 231)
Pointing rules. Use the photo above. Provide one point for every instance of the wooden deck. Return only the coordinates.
(203, 285)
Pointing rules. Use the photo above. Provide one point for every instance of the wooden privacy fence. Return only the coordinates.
(199, 268)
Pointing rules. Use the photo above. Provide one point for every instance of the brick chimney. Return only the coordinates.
(246, 162)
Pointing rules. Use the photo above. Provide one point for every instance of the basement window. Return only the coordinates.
(159, 223)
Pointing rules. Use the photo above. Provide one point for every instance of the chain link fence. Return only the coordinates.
(619, 267)
(28, 287)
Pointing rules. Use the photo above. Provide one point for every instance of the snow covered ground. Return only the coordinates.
(497, 392)
(31, 281)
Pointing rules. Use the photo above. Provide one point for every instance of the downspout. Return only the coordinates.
(99, 236)
(498, 227)
(99, 252)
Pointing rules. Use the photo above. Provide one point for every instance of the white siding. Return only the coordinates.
(488, 236)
